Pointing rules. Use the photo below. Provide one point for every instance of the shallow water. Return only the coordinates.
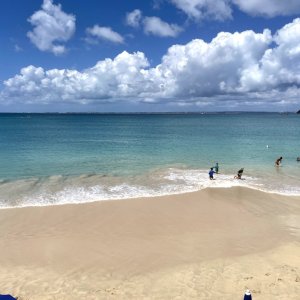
(70, 158)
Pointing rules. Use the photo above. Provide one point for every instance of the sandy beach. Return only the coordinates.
(211, 244)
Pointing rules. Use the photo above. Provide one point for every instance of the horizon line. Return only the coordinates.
(144, 112)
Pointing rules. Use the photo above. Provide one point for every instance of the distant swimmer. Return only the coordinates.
(278, 161)
(298, 158)
(211, 173)
(217, 168)
(239, 174)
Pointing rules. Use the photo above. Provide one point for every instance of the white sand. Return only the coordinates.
(204, 245)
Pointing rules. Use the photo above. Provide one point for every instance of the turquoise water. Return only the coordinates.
(65, 158)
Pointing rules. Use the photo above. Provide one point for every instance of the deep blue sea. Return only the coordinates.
(48, 159)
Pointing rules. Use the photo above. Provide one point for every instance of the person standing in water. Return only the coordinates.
(239, 174)
(278, 161)
(217, 168)
(211, 173)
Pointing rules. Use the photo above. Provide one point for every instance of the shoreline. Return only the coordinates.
(183, 246)
(177, 193)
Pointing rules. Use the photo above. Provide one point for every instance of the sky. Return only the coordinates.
(149, 56)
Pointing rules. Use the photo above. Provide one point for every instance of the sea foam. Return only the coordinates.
(57, 190)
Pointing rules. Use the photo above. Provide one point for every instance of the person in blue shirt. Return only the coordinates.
(211, 173)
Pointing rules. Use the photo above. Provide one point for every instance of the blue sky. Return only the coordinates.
(162, 55)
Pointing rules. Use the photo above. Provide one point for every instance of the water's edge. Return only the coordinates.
(59, 190)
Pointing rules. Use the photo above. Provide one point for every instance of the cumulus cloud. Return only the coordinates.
(133, 18)
(200, 69)
(105, 33)
(222, 9)
(279, 67)
(200, 9)
(155, 26)
(241, 68)
(108, 79)
(52, 27)
(269, 8)
(152, 25)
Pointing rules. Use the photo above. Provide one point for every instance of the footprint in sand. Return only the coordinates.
(279, 279)
(272, 284)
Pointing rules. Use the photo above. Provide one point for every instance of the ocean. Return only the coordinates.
(49, 159)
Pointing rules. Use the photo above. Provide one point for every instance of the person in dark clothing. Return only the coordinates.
(217, 168)
(239, 174)
(278, 161)
(7, 297)
(247, 295)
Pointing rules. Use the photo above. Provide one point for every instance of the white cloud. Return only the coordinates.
(235, 70)
(222, 9)
(104, 33)
(52, 27)
(155, 26)
(200, 69)
(133, 18)
(200, 9)
(152, 25)
(269, 8)
(279, 67)
(107, 79)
